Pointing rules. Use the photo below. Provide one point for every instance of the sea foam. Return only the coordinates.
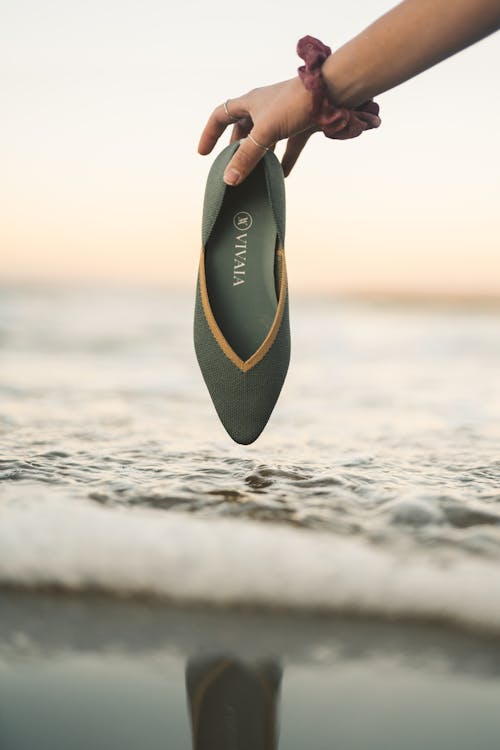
(76, 545)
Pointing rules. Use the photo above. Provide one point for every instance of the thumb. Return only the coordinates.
(250, 152)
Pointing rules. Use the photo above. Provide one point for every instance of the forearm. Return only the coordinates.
(408, 39)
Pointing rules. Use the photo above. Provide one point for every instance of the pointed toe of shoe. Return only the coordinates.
(243, 399)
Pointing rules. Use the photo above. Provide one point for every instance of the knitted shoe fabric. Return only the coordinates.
(241, 321)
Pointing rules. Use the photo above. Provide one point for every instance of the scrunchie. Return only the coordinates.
(335, 122)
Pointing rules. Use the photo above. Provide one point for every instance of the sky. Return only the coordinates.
(102, 106)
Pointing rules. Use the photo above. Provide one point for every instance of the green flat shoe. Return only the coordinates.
(241, 326)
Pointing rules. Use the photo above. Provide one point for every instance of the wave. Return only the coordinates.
(75, 545)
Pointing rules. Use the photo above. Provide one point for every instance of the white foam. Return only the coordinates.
(77, 545)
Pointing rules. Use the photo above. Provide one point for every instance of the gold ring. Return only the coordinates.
(228, 113)
(266, 148)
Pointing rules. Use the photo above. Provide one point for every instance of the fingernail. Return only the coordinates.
(231, 177)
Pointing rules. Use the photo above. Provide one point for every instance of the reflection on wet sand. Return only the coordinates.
(86, 672)
(233, 704)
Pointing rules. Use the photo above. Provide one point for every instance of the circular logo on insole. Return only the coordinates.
(242, 221)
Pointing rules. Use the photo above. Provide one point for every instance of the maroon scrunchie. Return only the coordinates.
(335, 122)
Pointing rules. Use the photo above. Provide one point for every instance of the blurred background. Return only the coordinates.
(103, 104)
(372, 497)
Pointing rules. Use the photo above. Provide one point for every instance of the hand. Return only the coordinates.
(270, 114)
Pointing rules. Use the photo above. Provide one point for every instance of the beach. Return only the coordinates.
(339, 579)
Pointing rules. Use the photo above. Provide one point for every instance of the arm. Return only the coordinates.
(410, 38)
(413, 36)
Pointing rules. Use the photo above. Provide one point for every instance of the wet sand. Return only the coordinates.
(96, 672)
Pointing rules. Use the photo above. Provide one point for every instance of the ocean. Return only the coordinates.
(363, 521)
(374, 488)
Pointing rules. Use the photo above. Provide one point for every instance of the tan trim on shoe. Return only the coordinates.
(257, 356)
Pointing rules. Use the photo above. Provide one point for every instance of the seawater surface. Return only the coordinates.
(375, 487)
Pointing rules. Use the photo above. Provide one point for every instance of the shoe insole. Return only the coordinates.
(239, 265)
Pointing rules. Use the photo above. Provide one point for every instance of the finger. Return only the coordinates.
(293, 150)
(245, 159)
(216, 125)
(241, 129)
(218, 122)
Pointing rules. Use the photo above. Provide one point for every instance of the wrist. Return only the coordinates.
(343, 83)
(330, 111)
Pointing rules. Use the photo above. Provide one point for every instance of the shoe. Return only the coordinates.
(241, 325)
